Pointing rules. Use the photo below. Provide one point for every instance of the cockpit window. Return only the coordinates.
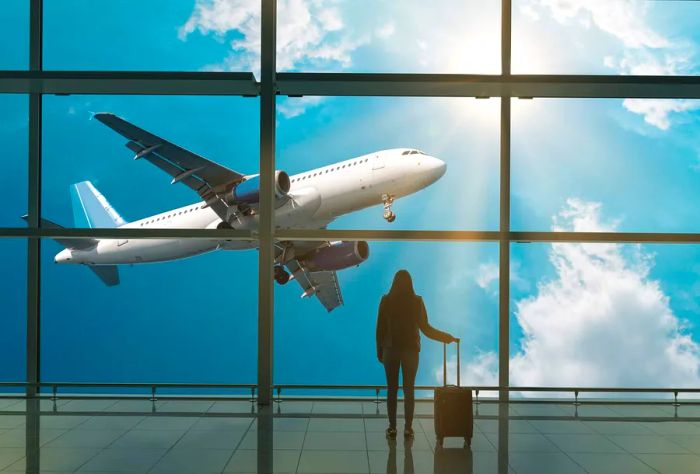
(412, 152)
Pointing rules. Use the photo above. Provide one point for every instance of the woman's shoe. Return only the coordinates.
(408, 432)
(391, 433)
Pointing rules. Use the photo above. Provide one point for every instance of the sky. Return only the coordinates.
(625, 165)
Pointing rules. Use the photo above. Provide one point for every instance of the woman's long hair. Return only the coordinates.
(402, 287)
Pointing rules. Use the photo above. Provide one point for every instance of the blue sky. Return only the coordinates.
(576, 165)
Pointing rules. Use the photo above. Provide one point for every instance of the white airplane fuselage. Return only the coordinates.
(315, 198)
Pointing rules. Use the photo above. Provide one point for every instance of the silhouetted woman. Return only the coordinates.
(401, 314)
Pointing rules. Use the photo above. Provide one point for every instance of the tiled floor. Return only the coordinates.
(341, 437)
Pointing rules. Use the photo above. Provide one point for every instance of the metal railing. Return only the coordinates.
(153, 387)
(377, 389)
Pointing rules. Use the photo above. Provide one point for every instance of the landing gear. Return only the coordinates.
(281, 275)
(388, 200)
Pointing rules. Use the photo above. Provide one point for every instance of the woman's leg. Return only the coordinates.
(409, 367)
(391, 367)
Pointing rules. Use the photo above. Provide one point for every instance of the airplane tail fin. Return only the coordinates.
(91, 208)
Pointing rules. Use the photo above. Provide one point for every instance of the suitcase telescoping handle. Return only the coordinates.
(444, 362)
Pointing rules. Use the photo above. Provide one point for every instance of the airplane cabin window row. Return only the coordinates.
(331, 170)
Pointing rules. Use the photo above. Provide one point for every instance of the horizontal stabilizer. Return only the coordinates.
(109, 274)
(67, 242)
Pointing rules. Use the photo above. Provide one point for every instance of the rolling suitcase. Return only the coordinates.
(453, 407)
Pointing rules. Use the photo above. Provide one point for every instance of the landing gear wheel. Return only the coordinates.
(388, 200)
(281, 275)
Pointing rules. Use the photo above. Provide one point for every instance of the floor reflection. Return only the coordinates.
(334, 437)
(445, 460)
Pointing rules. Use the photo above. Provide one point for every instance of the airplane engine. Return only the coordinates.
(336, 256)
(248, 191)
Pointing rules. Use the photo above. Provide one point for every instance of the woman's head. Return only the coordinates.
(403, 284)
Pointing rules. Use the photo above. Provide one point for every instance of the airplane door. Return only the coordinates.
(377, 162)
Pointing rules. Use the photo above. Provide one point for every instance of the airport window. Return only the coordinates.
(14, 130)
(574, 212)
(14, 35)
(395, 47)
(155, 337)
(445, 312)
(656, 34)
(657, 202)
(471, 173)
(13, 323)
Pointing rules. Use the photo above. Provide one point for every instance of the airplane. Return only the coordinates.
(229, 200)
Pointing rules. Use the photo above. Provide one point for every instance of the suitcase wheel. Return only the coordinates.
(467, 442)
(440, 441)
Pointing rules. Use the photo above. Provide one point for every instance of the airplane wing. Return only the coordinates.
(322, 284)
(208, 179)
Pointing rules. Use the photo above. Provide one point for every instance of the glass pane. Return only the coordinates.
(636, 161)
(157, 35)
(77, 149)
(604, 315)
(622, 37)
(182, 321)
(443, 36)
(13, 300)
(14, 140)
(14, 35)
(340, 346)
(346, 155)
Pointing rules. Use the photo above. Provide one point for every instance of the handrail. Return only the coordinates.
(54, 386)
(510, 389)
(128, 384)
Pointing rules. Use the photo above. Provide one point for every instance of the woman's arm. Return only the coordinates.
(427, 329)
(381, 329)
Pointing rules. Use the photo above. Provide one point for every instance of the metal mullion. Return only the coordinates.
(370, 235)
(504, 251)
(497, 85)
(386, 235)
(352, 84)
(129, 82)
(129, 233)
(266, 255)
(504, 212)
(33, 343)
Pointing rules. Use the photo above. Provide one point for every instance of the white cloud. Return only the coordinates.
(600, 321)
(303, 34)
(646, 51)
(486, 278)
(623, 19)
(310, 34)
(386, 31)
(291, 107)
(656, 111)
(486, 275)
(482, 371)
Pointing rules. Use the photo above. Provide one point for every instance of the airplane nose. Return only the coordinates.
(436, 166)
(63, 256)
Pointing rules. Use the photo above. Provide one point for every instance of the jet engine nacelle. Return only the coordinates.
(336, 256)
(248, 191)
